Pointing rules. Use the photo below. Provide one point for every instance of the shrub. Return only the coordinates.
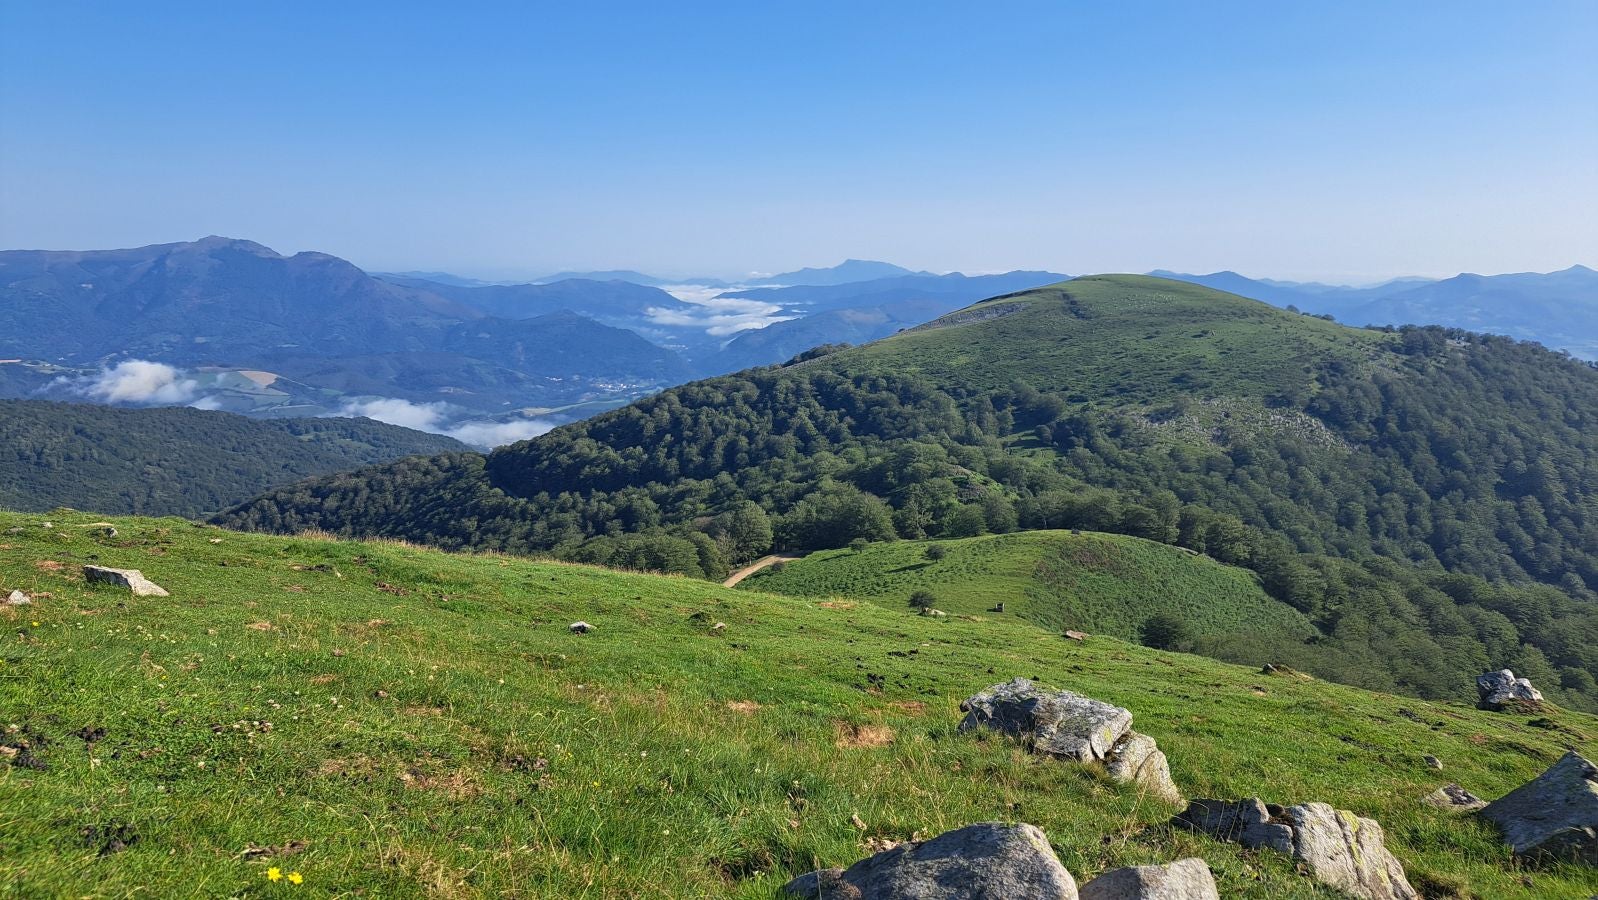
(1164, 631)
(923, 600)
(935, 552)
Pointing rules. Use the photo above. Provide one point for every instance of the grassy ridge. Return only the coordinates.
(435, 730)
(1100, 583)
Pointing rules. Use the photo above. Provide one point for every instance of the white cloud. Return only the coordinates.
(719, 316)
(137, 381)
(420, 416)
(207, 403)
(435, 418)
(497, 434)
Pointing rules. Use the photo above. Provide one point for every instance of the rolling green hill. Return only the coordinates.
(176, 460)
(393, 721)
(1427, 498)
(1099, 583)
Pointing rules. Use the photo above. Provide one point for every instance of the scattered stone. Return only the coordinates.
(1347, 852)
(1338, 848)
(1138, 759)
(1454, 798)
(1555, 813)
(106, 528)
(1077, 636)
(719, 626)
(1432, 762)
(1248, 822)
(1502, 689)
(934, 613)
(986, 861)
(132, 579)
(580, 627)
(1056, 723)
(18, 598)
(1185, 879)
(998, 607)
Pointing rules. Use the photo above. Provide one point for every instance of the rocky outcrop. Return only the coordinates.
(1335, 846)
(132, 579)
(1137, 758)
(1501, 689)
(1554, 814)
(1185, 879)
(1055, 723)
(1453, 798)
(987, 861)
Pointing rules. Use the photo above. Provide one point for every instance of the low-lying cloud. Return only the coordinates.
(436, 419)
(719, 316)
(137, 381)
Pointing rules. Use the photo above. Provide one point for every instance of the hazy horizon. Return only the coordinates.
(1347, 144)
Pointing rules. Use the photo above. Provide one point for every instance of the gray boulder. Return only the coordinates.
(1137, 758)
(17, 598)
(1347, 852)
(1185, 879)
(132, 579)
(1337, 847)
(1056, 723)
(1454, 798)
(1555, 813)
(1500, 689)
(1248, 822)
(987, 861)
(580, 627)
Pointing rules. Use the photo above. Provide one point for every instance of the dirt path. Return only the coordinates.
(756, 566)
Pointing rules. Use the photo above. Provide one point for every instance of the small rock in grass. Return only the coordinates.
(1077, 636)
(1185, 879)
(580, 627)
(1454, 798)
(18, 598)
(132, 579)
(1432, 762)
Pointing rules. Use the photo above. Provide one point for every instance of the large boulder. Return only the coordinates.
(1136, 758)
(1347, 852)
(132, 579)
(987, 861)
(1555, 813)
(1055, 723)
(1185, 879)
(1501, 689)
(1336, 846)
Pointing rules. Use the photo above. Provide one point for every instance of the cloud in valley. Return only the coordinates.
(435, 418)
(719, 316)
(137, 381)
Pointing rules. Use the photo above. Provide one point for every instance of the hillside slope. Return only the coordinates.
(1428, 498)
(395, 721)
(177, 461)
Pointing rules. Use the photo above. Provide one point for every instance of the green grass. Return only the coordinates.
(1099, 583)
(1152, 339)
(654, 785)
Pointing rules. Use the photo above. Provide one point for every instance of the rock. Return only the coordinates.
(18, 598)
(1078, 636)
(986, 861)
(1432, 762)
(1501, 689)
(1555, 813)
(1454, 798)
(1056, 723)
(132, 579)
(580, 627)
(1185, 879)
(1337, 847)
(1248, 822)
(1137, 758)
(1347, 852)
(934, 613)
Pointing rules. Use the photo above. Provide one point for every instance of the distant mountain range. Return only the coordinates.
(847, 271)
(1556, 309)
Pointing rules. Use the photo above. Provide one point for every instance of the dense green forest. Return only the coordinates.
(176, 461)
(1425, 496)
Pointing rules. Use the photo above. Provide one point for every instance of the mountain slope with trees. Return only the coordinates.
(1427, 498)
(177, 461)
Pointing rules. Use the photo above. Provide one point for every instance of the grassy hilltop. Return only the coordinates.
(435, 730)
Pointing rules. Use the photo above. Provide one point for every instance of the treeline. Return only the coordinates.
(1434, 514)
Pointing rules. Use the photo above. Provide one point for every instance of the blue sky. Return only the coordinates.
(1347, 141)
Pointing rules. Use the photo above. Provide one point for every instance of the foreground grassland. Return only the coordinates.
(435, 730)
(1101, 583)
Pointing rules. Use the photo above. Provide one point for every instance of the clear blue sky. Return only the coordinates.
(1347, 141)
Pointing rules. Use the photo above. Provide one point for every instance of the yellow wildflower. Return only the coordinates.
(274, 874)
(295, 878)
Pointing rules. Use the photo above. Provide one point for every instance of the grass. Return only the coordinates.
(435, 730)
(1099, 583)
